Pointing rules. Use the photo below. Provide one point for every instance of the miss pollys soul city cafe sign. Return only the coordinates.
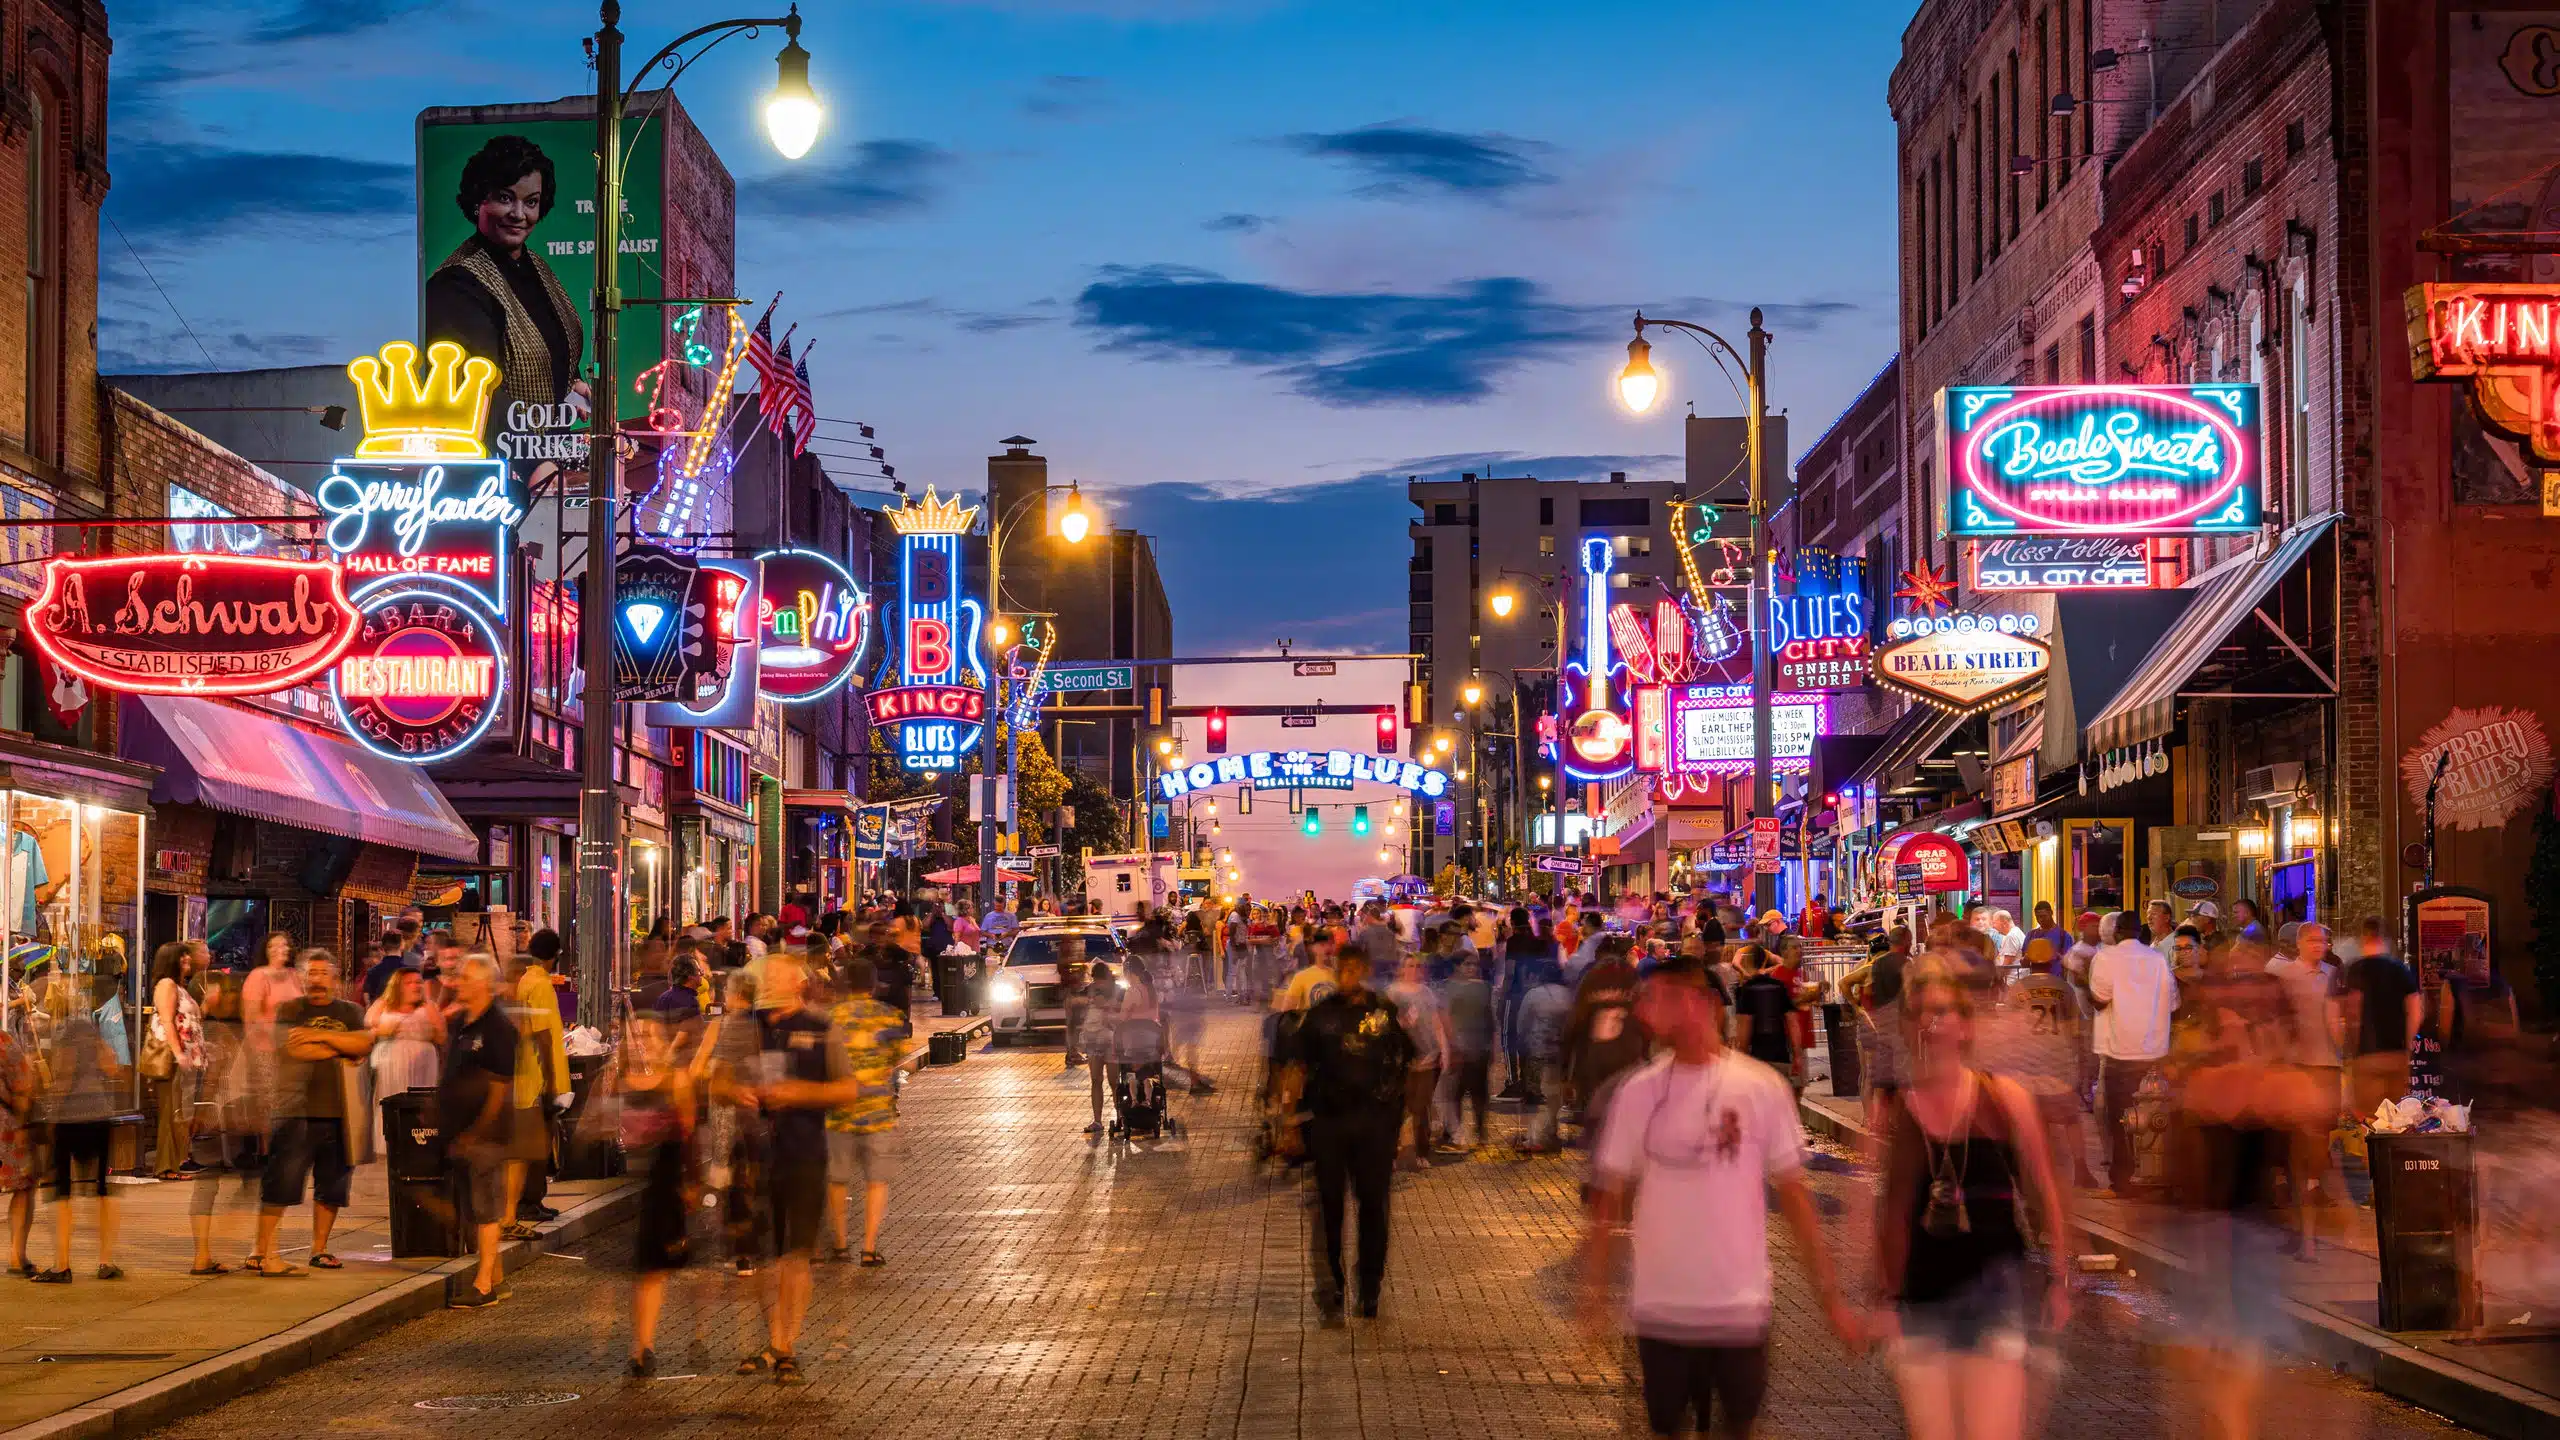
(403, 619)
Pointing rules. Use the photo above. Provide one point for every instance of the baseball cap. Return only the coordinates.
(2206, 908)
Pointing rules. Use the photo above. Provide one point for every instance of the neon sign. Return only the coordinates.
(662, 635)
(1304, 770)
(2062, 562)
(724, 696)
(1711, 730)
(1598, 743)
(812, 621)
(1818, 631)
(420, 501)
(2101, 459)
(423, 679)
(211, 624)
(1964, 663)
(2498, 337)
(937, 634)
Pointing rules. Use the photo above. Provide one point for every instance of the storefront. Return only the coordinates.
(817, 850)
(71, 895)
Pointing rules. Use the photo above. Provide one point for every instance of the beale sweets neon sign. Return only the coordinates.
(2101, 459)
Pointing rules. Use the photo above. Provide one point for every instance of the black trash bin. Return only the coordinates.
(1840, 1033)
(426, 1218)
(599, 1159)
(2425, 1221)
(946, 1047)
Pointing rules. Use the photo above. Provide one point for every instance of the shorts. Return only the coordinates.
(870, 1157)
(78, 1140)
(300, 1147)
(529, 1136)
(1680, 1378)
(484, 1176)
(662, 1240)
(798, 1190)
(1985, 1316)
(2057, 1108)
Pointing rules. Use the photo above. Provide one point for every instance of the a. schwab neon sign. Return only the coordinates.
(1304, 770)
(2101, 459)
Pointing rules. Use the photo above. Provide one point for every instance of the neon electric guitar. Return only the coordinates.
(1599, 743)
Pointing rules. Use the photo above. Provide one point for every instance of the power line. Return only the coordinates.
(164, 294)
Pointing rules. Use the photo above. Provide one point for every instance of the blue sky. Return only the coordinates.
(1239, 265)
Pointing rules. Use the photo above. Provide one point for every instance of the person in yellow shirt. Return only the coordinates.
(541, 1085)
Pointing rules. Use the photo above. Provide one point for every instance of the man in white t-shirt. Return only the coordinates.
(2007, 938)
(1700, 1136)
(2134, 993)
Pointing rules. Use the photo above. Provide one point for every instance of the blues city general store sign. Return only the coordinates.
(2100, 459)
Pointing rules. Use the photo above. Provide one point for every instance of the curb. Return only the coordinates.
(913, 1059)
(238, 1371)
(2470, 1398)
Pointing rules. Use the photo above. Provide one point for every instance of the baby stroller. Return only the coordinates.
(1137, 1082)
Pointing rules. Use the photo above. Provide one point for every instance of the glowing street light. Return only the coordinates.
(1473, 693)
(1638, 385)
(792, 113)
(1074, 522)
(1502, 601)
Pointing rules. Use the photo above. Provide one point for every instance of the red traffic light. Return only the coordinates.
(1386, 732)
(1217, 732)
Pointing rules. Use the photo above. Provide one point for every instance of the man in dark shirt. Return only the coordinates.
(2374, 1009)
(802, 1070)
(1354, 1053)
(475, 1104)
(322, 1033)
(1761, 1006)
(1602, 1039)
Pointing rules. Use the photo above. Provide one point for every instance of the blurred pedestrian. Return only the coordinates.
(1467, 1075)
(541, 1088)
(2135, 995)
(1763, 1011)
(658, 1113)
(475, 1105)
(1602, 1038)
(324, 1035)
(1353, 1054)
(1314, 979)
(408, 1051)
(79, 1105)
(2375, 1010)
(862, 1132)
(2306, 978)
(1964, 1159)
(173, 1055)
(1418, 1009)
(1545, 1013)
(802, 1072)
(2032, 1032)
(1103, 996)
(18, 1099)
(1693, 1147)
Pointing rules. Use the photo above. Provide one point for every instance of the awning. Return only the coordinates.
(968, 875)
(2099, 641)
(246, 763)
(1921, 730)
(2147, 706)
(818, 800)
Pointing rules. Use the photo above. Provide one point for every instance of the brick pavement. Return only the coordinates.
(1044, 1284)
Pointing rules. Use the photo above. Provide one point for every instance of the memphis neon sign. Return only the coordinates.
(208, 624)
(2101, 459)
(812, 621)
(1304, 770)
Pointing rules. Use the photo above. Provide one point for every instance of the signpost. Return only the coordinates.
(1088, 677)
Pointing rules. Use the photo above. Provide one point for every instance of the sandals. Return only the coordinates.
(51, 1277)
(786, 1371)
(171, 1176)
(644, 1365)
(288, 1272)
(872, 1260)
(214, 1268)
(327, 1260)
(760, 1362)
(837, 1255)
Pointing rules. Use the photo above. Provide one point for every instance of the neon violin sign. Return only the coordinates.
(2101, 459)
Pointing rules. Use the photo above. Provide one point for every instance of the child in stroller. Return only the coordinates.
(1137, 1081)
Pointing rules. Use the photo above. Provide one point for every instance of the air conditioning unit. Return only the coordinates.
(2272, 782)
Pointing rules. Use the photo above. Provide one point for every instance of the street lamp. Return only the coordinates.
(996, 524)
(1502, 601)
(1074, 522)
(1639, 387)
(1472, 692)
(792, 115)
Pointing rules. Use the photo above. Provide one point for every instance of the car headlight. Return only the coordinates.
(1006, 987)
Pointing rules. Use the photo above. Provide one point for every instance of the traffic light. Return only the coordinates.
(1313, 825)
(1359, 819)
(1155, 705)
(1386, 732)
(1217, 724)
(1417, 704)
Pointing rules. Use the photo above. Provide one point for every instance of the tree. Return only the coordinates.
(2542, 896)
(1448, 881)
(890, 780)
(1097, 827)
(1039, 785)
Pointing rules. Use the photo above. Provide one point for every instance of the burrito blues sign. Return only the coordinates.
(2100, 459)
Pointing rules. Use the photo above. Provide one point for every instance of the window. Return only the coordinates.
(1631, 514)
(2088, 350)
(2062, 47)
(2293, 139)
(2192, 232)
(2253, 176)
(2298, 414)
(1621, 546)
(1978, 227)
(2015, 148)
(1422, 552)
(2044, 117)
(1928, 280)
(2213, 210)
(44, 311)
(1444, 513)
(1546, 544)
(1546, 509)
(1955, 235)
(1639, 544)
(1617, 579)
(2053, 363)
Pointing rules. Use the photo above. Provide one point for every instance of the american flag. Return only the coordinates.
(805, 424)
(773, 373)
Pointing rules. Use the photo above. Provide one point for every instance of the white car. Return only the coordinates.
(1022, 989)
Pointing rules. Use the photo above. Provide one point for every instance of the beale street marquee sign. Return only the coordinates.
(2062, 562)
(2100, 459)
(1963, 663)
(208, 624)
(2500, 339)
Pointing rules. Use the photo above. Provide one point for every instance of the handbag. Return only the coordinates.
(159, 1061)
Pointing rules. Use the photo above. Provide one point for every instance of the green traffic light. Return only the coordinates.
(1311, 825)
(1360, 820)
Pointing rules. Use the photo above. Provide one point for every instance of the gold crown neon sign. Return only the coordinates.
(407, 418)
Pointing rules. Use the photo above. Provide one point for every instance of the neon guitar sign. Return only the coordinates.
(1598, 739)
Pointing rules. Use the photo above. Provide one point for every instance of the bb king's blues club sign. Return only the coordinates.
(2100, 459)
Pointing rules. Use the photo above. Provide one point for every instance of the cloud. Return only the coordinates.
(1342, 348)
(1238, 223)
(329, 19)
(164, 187)
(130, 347)
(1066, 97)
(1408, 161)
(1344, 591)
(883, 180)
(976, 322)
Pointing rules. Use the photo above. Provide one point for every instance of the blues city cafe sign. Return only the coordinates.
(2062, 562)
(935, 640)
(2100, 459)
(1304, 770)
(209, 624)
(423, 680)
(1963, 663)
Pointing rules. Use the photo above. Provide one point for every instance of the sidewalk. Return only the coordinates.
(98, 1358)
(2504, 1381)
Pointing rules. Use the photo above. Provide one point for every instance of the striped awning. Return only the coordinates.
(2147, 706)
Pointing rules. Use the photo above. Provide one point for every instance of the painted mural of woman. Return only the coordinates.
(495, 296)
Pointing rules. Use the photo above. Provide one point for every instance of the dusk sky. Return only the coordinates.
(1241, 266)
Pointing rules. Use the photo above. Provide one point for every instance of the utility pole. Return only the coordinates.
(600, 923)
(1764, 799)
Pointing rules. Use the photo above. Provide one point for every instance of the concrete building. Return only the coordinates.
(1108, 602)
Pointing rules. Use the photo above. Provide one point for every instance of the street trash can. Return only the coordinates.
(597, 1159)
(947, 1047)
(1840, 1034)
(2425, 1220)
(425, 1198)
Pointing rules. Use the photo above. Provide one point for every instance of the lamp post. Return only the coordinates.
(1073, 525)
(1504, 601)
(1639, 386)
(792, 115)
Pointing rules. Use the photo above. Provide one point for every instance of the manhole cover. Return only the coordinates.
(502, 1400)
